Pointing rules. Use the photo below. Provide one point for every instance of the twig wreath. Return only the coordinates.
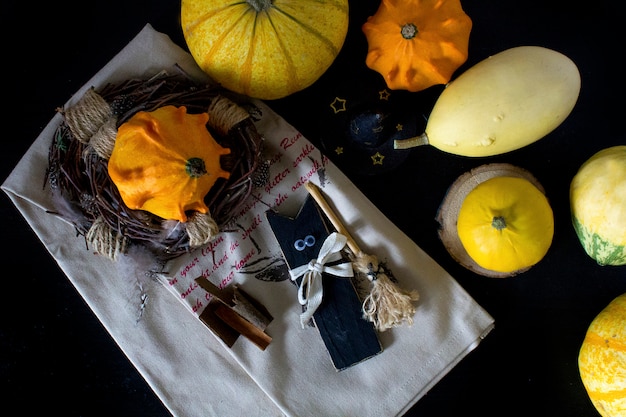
(85, 195)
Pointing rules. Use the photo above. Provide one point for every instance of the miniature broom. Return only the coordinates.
(387, 305)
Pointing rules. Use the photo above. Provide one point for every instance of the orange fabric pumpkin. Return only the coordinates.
(415, 44)
(165, 162)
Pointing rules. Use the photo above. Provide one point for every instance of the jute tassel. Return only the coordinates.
(387, 305)
(201, 228)
(105, 240)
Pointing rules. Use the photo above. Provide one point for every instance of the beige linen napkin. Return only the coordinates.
(193, 371)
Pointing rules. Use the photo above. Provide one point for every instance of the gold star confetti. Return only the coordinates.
(377, 158)
(338, 104)
(399, 127)
(339, 150)
(384, 94)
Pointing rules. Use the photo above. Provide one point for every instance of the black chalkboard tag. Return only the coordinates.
(348, 337)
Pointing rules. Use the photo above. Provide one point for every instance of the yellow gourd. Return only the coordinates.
(267, 49)
(415, 44)
(165, 162)
(506, 224)
(503, 103)
(602, 359)
(598, 205)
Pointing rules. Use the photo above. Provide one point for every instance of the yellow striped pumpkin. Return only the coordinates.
(602, 359)
(267, 49)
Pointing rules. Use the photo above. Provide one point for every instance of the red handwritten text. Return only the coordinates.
(307, 175)
(306, 150)
(187, 268)
(227, 279)
(255, 223)
(276, 180)
(250, 204)
(280, 199)
(242, 262)
(192, 286)
(210, 249)
(276, 158)
(197, 306)
(215, 266)
(287, 142)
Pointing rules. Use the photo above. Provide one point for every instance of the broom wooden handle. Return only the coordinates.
(316, 193)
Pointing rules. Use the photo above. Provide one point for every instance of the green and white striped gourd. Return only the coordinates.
(598, 205)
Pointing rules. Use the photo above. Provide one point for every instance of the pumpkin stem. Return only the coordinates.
(498, 222)
(411, 142)
(409, 31)
(194, 167)
(260, 5)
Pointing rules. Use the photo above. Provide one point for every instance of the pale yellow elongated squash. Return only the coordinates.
(503, 103)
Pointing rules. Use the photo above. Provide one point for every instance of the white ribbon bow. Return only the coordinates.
(311, 290)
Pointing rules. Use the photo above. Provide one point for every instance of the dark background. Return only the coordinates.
(528, 365)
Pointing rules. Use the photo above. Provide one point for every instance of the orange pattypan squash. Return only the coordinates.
(267, 49)
(506, 224)
(165, 162)
(415, 44)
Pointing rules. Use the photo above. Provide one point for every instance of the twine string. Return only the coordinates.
(225, 114)
(87, 116)
(103, 141)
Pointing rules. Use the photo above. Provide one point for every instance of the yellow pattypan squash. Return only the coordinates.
(165, 162)
(267, 49)
(506, 224)
(415, 44)
(602, 359)
(598, 205)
